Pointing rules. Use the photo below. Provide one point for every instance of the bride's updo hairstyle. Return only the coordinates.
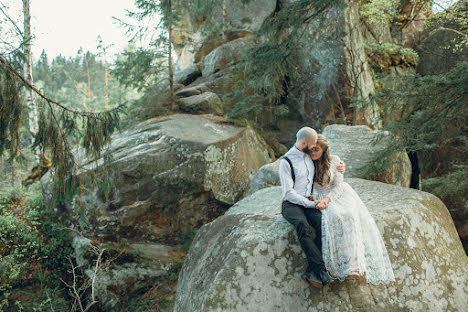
(322, 165)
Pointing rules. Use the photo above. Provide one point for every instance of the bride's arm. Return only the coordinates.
(336, 187)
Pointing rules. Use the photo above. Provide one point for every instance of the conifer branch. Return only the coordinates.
(50, 101)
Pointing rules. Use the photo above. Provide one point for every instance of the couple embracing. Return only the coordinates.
(335, 230)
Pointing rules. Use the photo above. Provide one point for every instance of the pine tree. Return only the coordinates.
(56, 124)
(160, 38)
(429, 115)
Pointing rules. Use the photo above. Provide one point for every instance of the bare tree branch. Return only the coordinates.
(18, 30)
(50, 101)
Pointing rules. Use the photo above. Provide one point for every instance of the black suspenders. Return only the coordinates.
(292, 171)
(292, 168)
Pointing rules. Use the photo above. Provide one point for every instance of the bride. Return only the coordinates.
(352, 246)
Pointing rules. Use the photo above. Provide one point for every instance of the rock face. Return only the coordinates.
(171, 173)
(239, 20)
(364, 159)
(224, 55)
(187, 75)
(207, 102)
(250, 259)
(266, 176)
(332, 66)
(132, 269)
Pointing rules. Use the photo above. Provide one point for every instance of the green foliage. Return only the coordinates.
(139, 69)
(51, 138)
(160, 297)
(60, 124)
(428, 114)
(269, 87)
(382, 56)
(451, 188)
(66, 81)
(454, 19)
(33, 251)
(186, 238)
(426, 111)
(380, 11)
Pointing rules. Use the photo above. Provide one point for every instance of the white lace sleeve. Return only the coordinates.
(336, 184)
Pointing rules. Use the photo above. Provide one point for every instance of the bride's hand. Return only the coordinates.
(321, 204)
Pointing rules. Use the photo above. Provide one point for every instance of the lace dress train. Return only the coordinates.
(351, 241)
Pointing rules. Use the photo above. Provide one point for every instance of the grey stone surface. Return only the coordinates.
(240, 19)
(187, 75)
(167, 174)
(367, 158)
(328, 74)
(364, 158)
(133, 268)
(250, 259)
(266, 176)
(207, 102)
(224, 55)
(119, 281)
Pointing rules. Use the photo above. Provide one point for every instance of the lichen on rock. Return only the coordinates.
(250, 259)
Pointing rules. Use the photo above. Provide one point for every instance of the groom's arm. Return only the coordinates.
(287, 183)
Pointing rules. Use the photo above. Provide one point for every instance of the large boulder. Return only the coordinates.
(125, 271)
(332, 63)
(250, 259)
(266, 176)
(239, 20)
(189, 91)
(167, 174)
(369, 154)
(225, 55)
(187, 75)
(207, 102)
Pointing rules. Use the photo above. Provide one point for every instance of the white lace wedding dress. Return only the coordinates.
(351, 241)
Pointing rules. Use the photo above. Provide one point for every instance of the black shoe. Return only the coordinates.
(325, 277)
(312, 279)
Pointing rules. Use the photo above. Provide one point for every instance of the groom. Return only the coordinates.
(296, 172)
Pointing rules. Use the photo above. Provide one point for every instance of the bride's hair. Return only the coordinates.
(322, 165)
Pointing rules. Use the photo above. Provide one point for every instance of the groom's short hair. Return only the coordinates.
(305, 133)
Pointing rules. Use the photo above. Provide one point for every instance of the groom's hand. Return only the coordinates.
(320, 204)
(341, 167)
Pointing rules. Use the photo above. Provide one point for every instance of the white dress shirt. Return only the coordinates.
(298, 191)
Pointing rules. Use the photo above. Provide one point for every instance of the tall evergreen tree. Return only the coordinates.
(164, 16)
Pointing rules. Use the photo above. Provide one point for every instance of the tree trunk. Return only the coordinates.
(171, 69)
(13, 173)
(224, 22)
(33, 121)
(106, 79)
(88, 94)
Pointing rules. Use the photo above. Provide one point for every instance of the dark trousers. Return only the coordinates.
(308, 224)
